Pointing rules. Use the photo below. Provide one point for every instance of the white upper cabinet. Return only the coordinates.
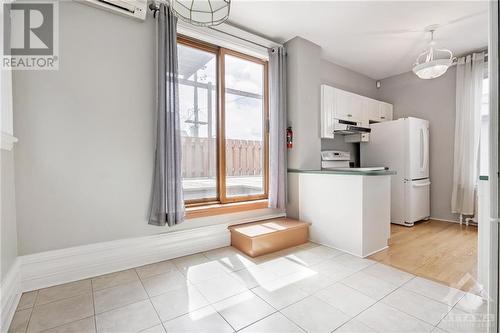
(385, 111)
(372, 111)
(327, 105)
(348, 106)
(377, 111)
(344, 105)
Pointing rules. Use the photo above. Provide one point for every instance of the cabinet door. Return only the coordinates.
(342, 104)
(327, 111)
(385, 111)
(347, 106)
(371, 110)
(357, 106)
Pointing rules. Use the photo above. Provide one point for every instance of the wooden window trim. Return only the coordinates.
(214, 50)
(222, 204)
(193, 212)
(222, 136)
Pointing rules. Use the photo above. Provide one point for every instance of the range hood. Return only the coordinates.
(347, 127)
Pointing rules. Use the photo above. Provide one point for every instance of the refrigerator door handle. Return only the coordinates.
(422, 152)
(426, 149)
(421, 185)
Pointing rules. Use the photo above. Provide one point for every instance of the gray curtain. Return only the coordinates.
(167, 206)
(277, 128)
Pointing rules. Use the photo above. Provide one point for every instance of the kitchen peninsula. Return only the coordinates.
(348, 209)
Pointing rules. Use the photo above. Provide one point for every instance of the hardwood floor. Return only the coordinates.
(441, 251)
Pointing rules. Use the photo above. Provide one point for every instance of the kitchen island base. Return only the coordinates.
(347, 212)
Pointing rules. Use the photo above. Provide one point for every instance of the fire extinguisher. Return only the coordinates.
(289, 138)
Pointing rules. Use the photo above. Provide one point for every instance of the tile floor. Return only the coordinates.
(309, 288)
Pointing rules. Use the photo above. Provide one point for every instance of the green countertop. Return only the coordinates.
(354, 172)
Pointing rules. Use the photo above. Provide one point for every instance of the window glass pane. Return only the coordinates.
(198, 111)
(244, 127)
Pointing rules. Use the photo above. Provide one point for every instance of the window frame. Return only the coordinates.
(220, 54)
(215, 51)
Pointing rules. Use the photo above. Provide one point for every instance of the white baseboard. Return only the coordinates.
(10, 292)
(444, 220)
(51, 268)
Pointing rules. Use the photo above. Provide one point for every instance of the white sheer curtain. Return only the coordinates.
(470, 72)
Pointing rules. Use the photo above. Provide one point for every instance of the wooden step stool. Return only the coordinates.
(268, 236)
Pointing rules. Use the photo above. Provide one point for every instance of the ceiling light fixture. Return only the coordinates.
(202, 13)
(428, 64)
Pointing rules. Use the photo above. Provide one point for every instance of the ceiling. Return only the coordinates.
(375, 38)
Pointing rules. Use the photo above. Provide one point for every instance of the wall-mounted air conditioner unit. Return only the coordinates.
(131, 8)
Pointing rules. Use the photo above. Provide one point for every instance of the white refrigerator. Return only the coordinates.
(402, 145)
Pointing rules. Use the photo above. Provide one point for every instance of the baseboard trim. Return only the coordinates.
(444, 220)
(10, 293)
(45, 269)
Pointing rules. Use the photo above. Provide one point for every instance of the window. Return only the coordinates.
(223, 109)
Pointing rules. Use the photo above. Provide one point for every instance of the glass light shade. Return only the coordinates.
(432, 69)
(202, 12)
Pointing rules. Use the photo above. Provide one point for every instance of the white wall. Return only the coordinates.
(303, 85)
(8, 227)
(8, 231)
(433, 100)
(346, 79)
(84, 161)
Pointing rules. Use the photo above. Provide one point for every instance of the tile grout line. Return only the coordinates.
(451, 309)
(190, 285)
(401, 287)
(312, 294)
(62, 299)
(435, 300)
(82, 293)
(248, 290)
(93, 305)
(378, 302)
(279, 310)
(220, 315)
(266, 316)
(64, 323)
(150, 302)
(284, 315)
(59, 299)
(31, 313)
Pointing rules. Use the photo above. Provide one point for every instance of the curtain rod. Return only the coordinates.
(472, 52)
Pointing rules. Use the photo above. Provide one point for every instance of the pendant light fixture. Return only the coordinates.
(201, 13)
(433, 62)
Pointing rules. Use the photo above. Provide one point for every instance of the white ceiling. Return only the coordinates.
(375, 38)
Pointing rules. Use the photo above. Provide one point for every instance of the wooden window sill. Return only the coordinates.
(219, 209)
